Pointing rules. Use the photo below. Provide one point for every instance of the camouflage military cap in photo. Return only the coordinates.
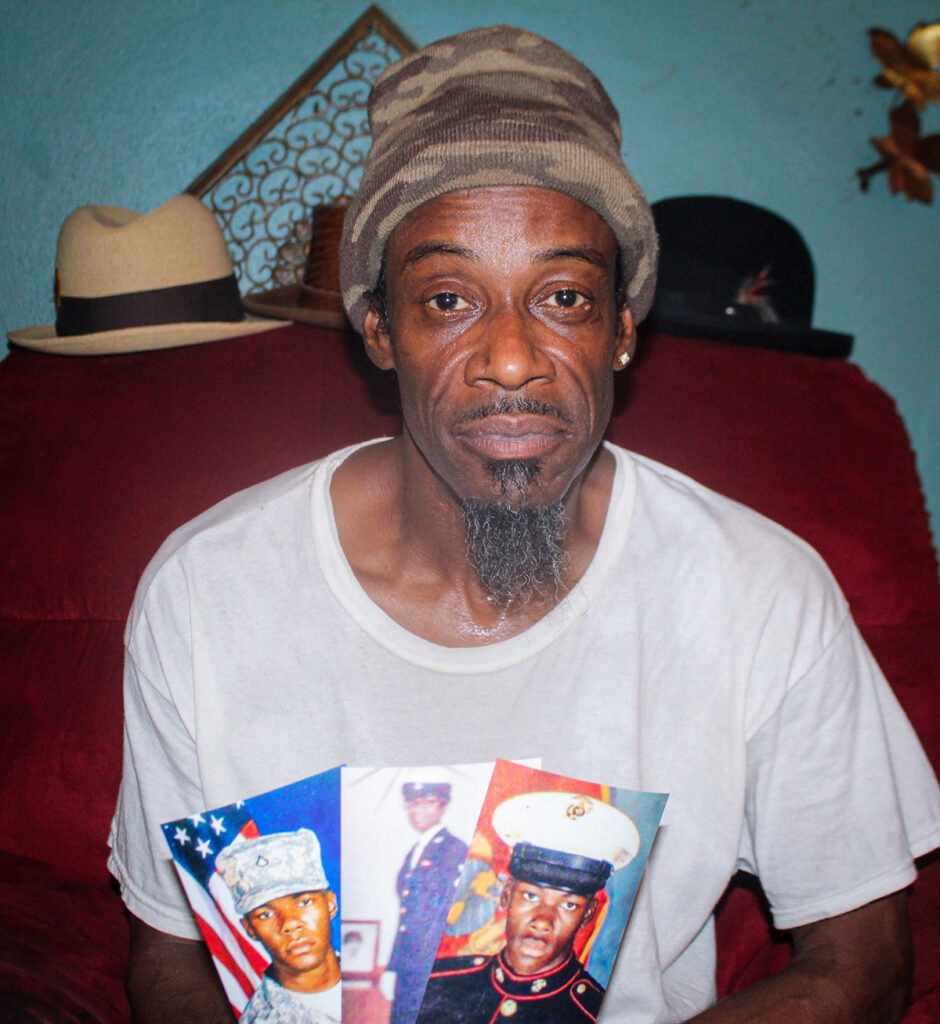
(269, 867)
(493, 106)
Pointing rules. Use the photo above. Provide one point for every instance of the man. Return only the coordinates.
(286, 904)
(564, 848)
(497, 582)
(426, 885)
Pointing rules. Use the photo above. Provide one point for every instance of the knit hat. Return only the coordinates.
(493, 106)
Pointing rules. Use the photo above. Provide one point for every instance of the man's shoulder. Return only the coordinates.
(259, 1006)
(236, 516)
(587, 993)
(274, 1004)
(248, 502)
(271, 508)
(448, 840)
(456, 988)
(460, 966)
(700, 523)
(665, 486)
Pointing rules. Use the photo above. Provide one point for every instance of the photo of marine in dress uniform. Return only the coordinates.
(426, 885)
(565, 846)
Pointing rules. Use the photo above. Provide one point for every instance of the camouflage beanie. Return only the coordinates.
(493, 106)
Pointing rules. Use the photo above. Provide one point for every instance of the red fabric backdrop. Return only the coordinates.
(101, 457)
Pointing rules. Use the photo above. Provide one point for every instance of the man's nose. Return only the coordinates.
(290, 922)
(509, 354)
(544, 917)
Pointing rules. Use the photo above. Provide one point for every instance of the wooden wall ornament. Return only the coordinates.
(910, 68)
(305, 150)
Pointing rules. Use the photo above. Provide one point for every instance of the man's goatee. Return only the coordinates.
(515, 547)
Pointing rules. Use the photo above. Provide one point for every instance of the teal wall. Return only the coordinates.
(769, 100)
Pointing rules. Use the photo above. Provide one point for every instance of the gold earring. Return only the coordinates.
(623, 359)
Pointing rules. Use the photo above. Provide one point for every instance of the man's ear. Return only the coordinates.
(331, 903)
(626, 339)
(377, 340)
(505, 895)
(247, 925)
(589, 913)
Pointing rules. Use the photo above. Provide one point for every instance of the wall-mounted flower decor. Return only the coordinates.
(909, 68)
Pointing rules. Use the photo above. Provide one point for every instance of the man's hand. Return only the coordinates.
(172, 979)
(852, 969)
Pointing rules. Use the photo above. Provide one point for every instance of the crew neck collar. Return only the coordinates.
(466, 660)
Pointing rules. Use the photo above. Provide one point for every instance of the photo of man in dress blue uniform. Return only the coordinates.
(426, 884)
(565, 846)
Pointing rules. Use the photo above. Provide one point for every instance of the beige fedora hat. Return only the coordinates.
(129, 282)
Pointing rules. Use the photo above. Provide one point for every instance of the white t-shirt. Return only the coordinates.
(706, 653)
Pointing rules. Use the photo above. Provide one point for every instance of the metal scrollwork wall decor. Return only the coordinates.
(305, 150)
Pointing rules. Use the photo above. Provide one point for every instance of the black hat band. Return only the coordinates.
(426, 791)
(583, 876)
(215, 301)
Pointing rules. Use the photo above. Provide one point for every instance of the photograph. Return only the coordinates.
(359, 948)
(406, 835)
(554, 869)
(263, 877)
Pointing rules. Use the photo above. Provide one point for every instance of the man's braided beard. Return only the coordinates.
(514, 547)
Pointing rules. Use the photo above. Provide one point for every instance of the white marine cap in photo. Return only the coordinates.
(565, 840)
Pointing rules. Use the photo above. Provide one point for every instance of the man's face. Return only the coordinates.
(295, 930)
(541, 925)
(425, 812)
(504, 332)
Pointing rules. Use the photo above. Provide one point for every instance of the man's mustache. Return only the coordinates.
(506, 406)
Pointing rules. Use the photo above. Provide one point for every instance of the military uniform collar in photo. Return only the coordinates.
(733, 271)
(130, 282)
(565, 841)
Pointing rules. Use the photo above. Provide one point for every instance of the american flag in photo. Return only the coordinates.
(195, 842)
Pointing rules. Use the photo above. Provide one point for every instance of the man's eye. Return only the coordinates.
(448, 302)
(569, 905)
(532, 897)
(263, 915)
(567, 298)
